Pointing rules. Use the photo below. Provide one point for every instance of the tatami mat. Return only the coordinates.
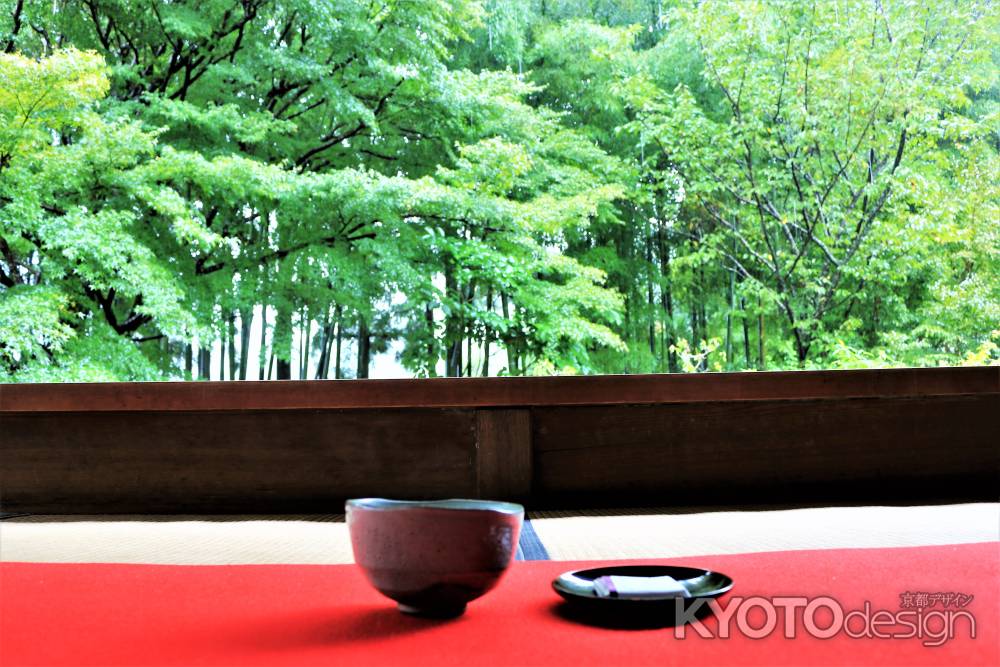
(614, 534)
(183, 540)
(663, 534)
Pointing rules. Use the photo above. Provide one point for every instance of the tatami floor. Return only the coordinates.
(577, 535)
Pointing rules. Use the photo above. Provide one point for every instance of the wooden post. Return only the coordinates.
(503, 454)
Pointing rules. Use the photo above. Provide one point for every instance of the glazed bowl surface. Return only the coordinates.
(433, 557)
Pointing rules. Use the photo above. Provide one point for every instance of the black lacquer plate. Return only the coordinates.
(583, 604)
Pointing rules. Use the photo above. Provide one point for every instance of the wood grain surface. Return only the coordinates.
(504, 457)
(877, 436)
(495, 392)
(232, 461)
(770, 449)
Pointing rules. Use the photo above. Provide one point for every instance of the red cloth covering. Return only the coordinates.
(104, 614)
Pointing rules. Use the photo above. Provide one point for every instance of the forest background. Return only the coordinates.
(255, 189)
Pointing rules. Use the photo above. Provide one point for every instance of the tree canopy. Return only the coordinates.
(264, 188)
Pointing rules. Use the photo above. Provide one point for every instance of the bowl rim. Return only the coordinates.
(447, 504)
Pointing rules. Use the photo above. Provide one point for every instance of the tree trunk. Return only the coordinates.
(340, 341)
(625, 253)
(364, 347)
(468, 297)
(510, 343)
(222, 356)
(188, 359)
(667, 304)
(746, 334)
(231, 332)
(671, 343)
(204, 362)
(305, 346)
(729, 319)
(761, 349)
(246, 324)
(486, 334)
(432, 355)
(328, 350)
(325, 335)
(801, 340)
(650, 301)
(453, 328)
(468, 350)
(262, 360)
(694, 323)
(801, 346)
(281, 343)
(299, 344)
(701, 305)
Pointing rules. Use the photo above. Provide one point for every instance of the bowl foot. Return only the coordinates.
(450, 611)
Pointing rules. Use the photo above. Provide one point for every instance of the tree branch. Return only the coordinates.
(16, 27)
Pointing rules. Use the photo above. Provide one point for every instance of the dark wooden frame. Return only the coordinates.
(804, 436)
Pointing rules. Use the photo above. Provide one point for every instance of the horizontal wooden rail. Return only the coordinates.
(871, 435)
(496, 392)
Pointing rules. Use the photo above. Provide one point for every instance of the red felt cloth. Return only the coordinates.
(62, 614)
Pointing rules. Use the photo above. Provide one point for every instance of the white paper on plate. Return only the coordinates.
(639, 587)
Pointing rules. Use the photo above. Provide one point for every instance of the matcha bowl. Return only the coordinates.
(433, 557)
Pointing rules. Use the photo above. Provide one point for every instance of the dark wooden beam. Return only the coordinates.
(874, 436)
(759, 451)
(495, 392)
(254, 461)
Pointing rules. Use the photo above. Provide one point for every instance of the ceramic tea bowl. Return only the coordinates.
(433, 557)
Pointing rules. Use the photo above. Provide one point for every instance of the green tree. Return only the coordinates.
(302, 158)
(831, 134)
(82, 277)
(193, 189)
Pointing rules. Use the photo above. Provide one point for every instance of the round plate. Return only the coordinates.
(577, 587)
